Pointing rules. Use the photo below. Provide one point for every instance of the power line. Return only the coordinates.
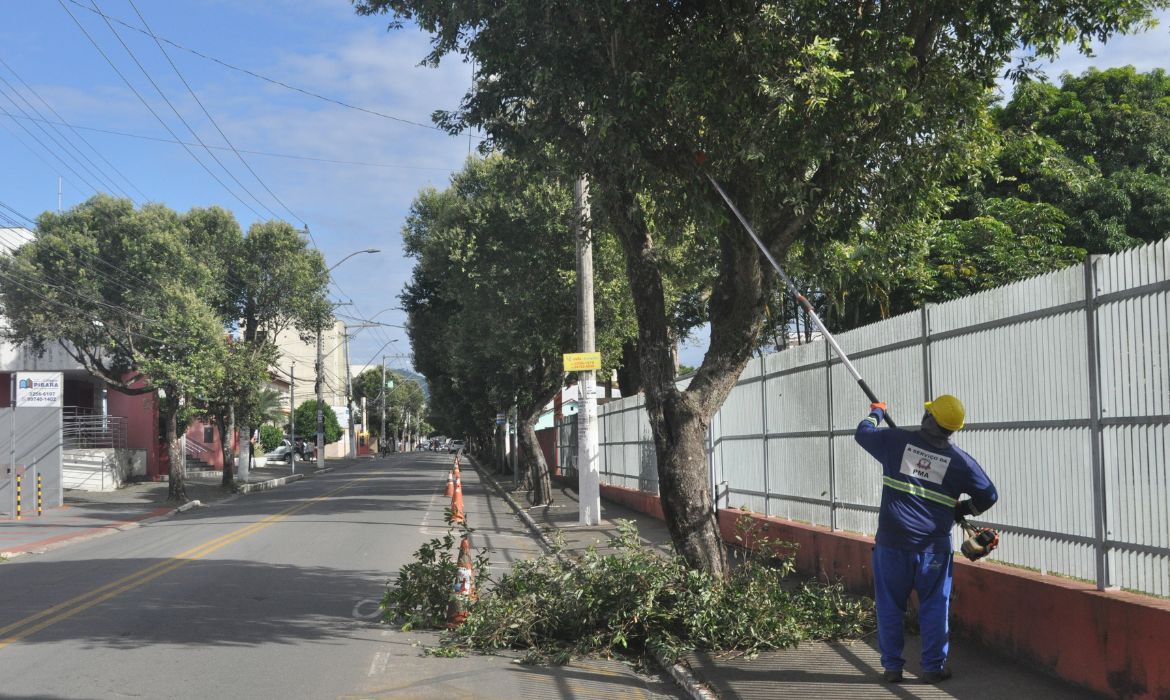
(52, 152)
(5, 206)
(263, 77)
(208, 114)
(104, 181)
(74, 308)
(73, 129)
(180, 117)
(270, 154)
(151, 109)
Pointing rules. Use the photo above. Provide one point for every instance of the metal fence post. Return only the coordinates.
(829, 436)
(1095, 438)
(927, 379)
(764, 429)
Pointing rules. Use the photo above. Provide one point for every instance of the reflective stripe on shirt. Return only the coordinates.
(919, 491)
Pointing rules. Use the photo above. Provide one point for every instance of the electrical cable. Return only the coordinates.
(208, 114)
(5, 206)
(30, 149)
(62, 122)
(74, 309)
(107, 184)
(265, 78)
(270, 154)
(179, 115)
(51, 152)
(153, 112)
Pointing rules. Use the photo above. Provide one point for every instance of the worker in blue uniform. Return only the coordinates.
(923, 476)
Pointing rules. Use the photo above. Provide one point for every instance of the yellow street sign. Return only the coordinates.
(580, 361)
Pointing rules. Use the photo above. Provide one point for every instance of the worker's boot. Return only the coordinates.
(892, 676)
(937, 676)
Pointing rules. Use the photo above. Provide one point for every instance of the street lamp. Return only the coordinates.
(356, 252)
(320, 368)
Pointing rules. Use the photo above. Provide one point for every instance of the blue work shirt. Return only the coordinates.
(921, 486)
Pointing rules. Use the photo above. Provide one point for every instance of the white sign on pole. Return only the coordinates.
(39, 389)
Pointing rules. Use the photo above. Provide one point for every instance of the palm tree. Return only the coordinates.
(269, 406)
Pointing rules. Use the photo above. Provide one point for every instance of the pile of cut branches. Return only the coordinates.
(631, 600)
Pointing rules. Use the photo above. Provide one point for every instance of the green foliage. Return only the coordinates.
(1098, 148)
(405, 396)
(492, 295)
(421, 591)
(270, 437)
(306, 420)
(631, 601)
(822, 119)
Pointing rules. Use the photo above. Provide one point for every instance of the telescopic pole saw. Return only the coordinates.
(800, 298)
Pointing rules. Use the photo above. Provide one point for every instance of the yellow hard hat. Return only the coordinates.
(947, 411)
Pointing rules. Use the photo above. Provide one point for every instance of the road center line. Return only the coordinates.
(78, 604)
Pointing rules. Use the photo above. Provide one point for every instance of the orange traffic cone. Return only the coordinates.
(457, 503)
(463, 589)
(450, 484)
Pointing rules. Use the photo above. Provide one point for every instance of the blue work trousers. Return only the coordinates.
(897, 572)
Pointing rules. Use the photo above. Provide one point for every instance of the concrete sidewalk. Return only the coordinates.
(89, 514)
(814, 669)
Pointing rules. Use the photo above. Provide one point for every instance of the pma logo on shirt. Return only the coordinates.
(923, 464)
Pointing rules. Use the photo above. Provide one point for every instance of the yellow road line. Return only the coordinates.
(91, 598)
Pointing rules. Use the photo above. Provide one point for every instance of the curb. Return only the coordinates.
(679, 673)
(270, 484)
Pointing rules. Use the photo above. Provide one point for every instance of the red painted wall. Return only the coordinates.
(141, 412)
(214, 454)
(1113, 642)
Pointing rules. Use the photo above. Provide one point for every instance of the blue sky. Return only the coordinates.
(357, 201)
(320, 46)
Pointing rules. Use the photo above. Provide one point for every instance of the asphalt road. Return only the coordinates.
(270, 595)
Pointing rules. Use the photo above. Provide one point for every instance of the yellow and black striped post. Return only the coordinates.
(40, 499)
(19, 500)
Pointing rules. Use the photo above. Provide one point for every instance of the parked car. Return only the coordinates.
(282, 453)
(456, 446)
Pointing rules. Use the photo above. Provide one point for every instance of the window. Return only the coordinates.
(208, 434)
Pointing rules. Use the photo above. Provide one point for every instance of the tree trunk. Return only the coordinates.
(532, 457)
(679, 420)
(227, 428)
(630, 373)
(177, 487)
(501, 449)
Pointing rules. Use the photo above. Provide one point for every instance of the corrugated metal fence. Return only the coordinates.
(1066, 380)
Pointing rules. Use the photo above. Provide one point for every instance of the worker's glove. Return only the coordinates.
(878, 409)
(963, 510)
(878, 405)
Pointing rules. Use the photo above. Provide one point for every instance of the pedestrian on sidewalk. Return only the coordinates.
(923, 475)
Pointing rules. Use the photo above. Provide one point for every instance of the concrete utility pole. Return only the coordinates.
(292, 414)
(588, 465)
(320, 401)
(382, 435)
(349, 403)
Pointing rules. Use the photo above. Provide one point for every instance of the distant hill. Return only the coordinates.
(422, 381)
(413, 376)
